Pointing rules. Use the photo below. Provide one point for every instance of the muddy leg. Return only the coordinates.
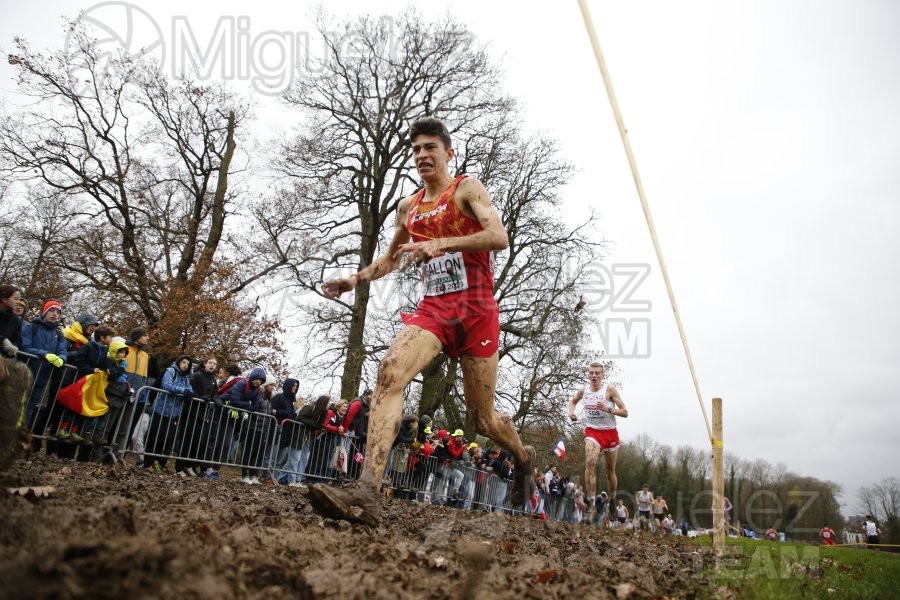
(411, 351)
(592, 457)
(479, 381)
(611, 480)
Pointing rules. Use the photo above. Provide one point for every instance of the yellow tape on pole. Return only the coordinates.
(623, 133)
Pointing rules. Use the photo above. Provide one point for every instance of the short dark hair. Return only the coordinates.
(137, 333)
(103, 331)
(233, 370)
(430, 126)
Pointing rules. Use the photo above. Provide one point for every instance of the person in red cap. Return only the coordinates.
(451, 230)
(44, 339)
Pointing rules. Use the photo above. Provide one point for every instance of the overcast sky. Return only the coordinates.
(768, 138)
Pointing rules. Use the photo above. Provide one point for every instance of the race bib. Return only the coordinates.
(445, 274)
(595, 413)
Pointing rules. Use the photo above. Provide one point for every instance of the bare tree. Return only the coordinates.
(353, 157)
(882, 499)
(144, 164)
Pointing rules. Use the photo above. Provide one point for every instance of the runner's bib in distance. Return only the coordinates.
(445, 274)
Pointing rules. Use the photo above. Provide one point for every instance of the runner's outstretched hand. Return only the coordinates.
(336, 287)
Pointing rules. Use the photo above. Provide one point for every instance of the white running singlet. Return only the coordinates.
(595, 409)
(644, 499)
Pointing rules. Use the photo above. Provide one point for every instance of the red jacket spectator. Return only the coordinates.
(457, 445)
(335, 418)
(427, 449)
(357, 406)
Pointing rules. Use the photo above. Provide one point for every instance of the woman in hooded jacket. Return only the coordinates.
(247, 396)
(286, 416)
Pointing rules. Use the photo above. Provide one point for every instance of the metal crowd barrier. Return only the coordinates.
(205, 436)
(65, 432)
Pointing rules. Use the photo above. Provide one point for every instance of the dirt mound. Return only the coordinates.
(114, 532)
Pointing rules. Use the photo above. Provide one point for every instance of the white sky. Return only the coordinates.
(768, 138)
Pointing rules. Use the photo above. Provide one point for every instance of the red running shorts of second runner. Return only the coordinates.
(608, 439)
(465, 327)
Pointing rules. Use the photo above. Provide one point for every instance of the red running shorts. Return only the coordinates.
(466, 324)
(607, 439)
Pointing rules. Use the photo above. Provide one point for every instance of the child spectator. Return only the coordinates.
(78, 335)
(118, 391)
(87, 359)
(165, 412)
(89, 396)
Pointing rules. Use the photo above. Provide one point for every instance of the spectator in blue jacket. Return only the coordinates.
(165, 413)
(44, 339)
(246, 395)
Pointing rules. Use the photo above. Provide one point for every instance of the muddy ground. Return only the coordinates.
(120, 532)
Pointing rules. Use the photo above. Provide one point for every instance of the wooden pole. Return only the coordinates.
(718, 477)
(632, 162)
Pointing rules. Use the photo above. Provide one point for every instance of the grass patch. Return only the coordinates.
(762, 570)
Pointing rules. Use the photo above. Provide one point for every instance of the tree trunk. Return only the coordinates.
(356, 350)
(437, 387)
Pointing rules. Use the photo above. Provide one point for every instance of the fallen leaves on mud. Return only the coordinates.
(119, 532)
(32, 491)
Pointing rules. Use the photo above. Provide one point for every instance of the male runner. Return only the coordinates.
(872, 531)
(827, 535)
(450, 228)
(645, 502)
(602, 404)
